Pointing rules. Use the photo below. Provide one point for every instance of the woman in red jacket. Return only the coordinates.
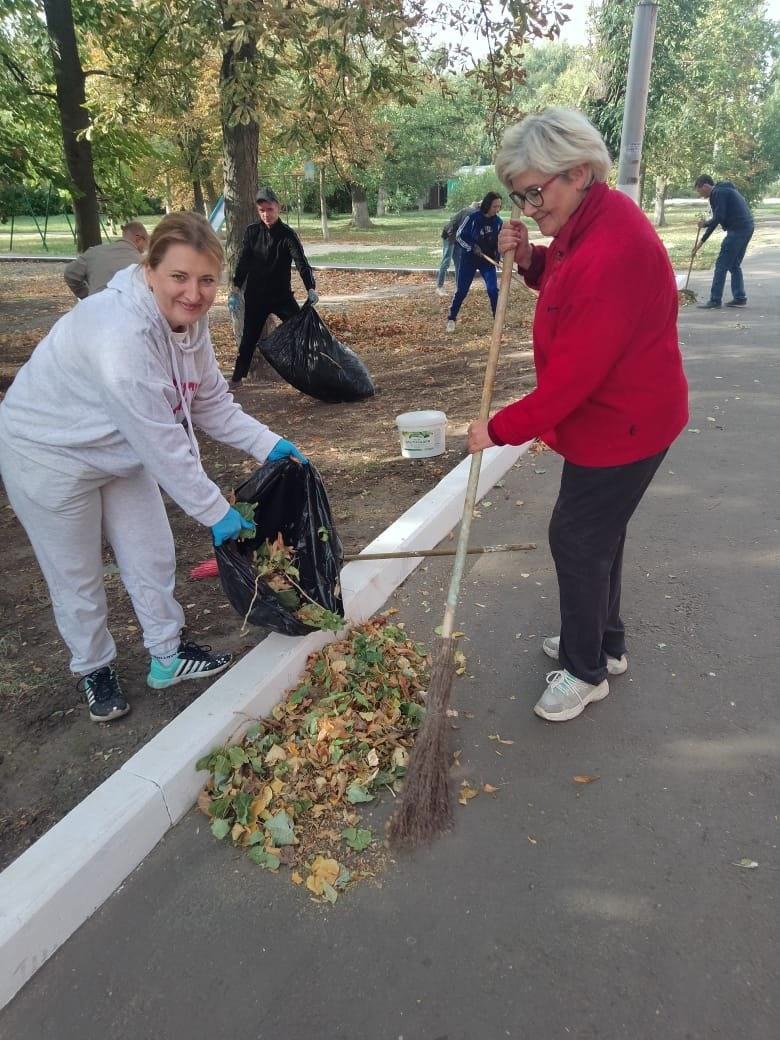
(611, 394)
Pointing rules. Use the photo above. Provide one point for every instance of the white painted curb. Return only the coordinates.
(53, 887)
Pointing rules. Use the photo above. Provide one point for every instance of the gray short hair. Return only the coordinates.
(552, 141)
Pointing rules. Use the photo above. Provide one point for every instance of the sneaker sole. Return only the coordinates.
(597, 694)
(615, 665)
(163, 684)
(117, 713)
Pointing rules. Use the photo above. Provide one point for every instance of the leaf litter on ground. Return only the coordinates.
(288, 792)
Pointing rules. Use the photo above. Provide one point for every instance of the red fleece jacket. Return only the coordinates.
(610, 382)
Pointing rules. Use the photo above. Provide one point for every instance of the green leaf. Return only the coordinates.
(205, 762)
(280, 829)
(241, 805)
(253, 731)
(256, 837)
(237, 756)
(329, 892)
(289, 599)
(220, 806)
(220, 828)
(264, 859)
(324, 534)
(222, 769)
(357, 838)
(413, 711)
(356, 793)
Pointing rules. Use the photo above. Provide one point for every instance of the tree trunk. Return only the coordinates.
(198, 202)
(420, 203)
(381, 201)
(323, 207)
(211, 193)
(74, 119)
(659, 217)
(360, 217)
(239, 150)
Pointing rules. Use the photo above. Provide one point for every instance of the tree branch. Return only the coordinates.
(18, 74)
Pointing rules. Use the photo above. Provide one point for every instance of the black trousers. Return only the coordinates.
(258, 305)
(587, 535)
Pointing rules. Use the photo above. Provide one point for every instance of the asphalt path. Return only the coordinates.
(622, 908)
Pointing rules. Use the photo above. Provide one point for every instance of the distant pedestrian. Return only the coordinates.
(91, 272)
(731, 211)
(477, 237)
(264, 271)
(450, 250)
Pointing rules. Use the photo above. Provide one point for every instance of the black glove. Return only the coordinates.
(477, 251)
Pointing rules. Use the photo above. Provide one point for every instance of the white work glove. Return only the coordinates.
(312, 297)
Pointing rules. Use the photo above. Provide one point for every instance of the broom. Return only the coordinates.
(684, 294)
(425, 809)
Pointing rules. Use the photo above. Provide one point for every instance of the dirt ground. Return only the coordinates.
(51, 755)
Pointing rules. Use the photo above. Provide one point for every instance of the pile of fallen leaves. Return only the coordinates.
(288, 792)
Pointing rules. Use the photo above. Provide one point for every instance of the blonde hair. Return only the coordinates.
(552, 141)
(189, 229)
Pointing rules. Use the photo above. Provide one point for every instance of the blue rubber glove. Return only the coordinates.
(283, 450)
(234, 301)
(313, 297)
(230, 526)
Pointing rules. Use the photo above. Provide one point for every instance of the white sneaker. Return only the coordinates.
(441, 291)
(450, 326)
(615, 665)
(566, 697)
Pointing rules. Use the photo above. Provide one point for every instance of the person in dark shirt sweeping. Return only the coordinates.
(731, 211)
(263, 270)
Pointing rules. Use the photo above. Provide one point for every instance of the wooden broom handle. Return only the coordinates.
(458, 566)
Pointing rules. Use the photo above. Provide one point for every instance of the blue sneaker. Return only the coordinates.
(191, 662)
(103, 694)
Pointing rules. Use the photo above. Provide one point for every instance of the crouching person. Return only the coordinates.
(100, 418)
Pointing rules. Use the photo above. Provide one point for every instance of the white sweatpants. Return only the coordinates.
(66, 518)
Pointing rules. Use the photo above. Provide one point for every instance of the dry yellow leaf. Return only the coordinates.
(296, 878)
(585, 779)
(372, 758)
(277, 786)
(340, 665)
(489, 789)
(260, 803)
(276, 754)
(323, 871)
(204, 802)
(532, 840)
(467, 793)
(495, 736)
(236, 832)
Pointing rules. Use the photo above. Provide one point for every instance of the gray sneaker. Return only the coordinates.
(566, 696)
(615, 665)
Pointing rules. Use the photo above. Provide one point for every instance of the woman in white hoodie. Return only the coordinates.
(99, 419)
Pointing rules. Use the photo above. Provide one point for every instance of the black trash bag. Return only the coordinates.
(290, 499)
(304, 352)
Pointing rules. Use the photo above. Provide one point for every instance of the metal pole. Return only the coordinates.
(635, 110)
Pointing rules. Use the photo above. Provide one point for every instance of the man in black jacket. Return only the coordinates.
(264, 271)
(731, 211)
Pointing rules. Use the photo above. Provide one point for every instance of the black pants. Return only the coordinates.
(258, 305)
(587, 536)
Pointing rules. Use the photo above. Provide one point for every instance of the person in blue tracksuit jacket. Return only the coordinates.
(731, 211)
(478, 239)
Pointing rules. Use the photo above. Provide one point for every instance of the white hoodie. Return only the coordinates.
(102, 393)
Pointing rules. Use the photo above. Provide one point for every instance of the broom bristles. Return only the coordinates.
(425, 809)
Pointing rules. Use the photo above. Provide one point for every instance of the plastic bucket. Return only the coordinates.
(421, 433)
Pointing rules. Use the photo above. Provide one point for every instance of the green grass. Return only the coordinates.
(418, 233)
(59, 238)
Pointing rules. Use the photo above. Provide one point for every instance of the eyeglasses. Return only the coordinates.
(532, 195)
